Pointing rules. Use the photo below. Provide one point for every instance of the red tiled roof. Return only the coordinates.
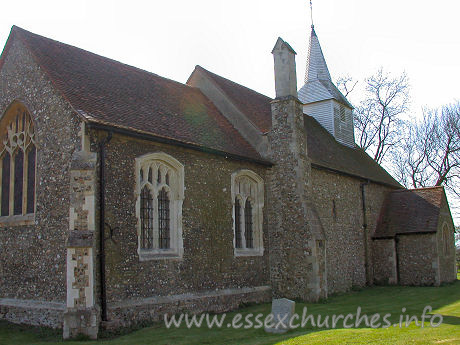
(326, 152)
(410, 211)
(323, 149)
(254, 105)
(107, 91)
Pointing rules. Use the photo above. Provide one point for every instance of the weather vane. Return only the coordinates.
(311, 14)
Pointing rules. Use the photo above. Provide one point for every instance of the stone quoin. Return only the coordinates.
(126, 196)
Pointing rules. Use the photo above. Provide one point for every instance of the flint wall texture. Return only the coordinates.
(153, 309)
(446, 251)
(293, 226)
(312, 231)
(32, 259)
(338, 202)
(384, 262)
(418, 259)
(208, 262)
(30, 312)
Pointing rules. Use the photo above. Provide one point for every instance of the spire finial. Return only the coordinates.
(311, 15)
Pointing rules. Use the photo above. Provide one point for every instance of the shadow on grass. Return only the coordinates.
(381, 300)
(451, 320)
(11, 333)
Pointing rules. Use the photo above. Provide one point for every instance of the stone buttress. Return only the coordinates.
(297, 248)
(82, 315)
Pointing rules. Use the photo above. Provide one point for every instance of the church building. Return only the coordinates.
(126, 196)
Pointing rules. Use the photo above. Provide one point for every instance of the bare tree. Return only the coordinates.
(378, 117)
(424, 153)
(429, 154)
(346, 84)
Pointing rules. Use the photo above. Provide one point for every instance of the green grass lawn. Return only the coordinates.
(444, 300)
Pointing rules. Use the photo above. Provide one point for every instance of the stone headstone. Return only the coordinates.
(282, 311)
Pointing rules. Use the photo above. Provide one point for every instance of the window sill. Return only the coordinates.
(28, 219)
(159, 254)
(249, 252)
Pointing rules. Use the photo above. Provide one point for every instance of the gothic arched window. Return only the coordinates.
(146, 218)
(31, 161)
(160, 193)
(248, 203)
(248, 233)
(6, 184)
(18, 163)
(163, 219)
(18, 181)
(238, 243)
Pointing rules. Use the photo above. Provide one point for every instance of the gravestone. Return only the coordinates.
(282, 311)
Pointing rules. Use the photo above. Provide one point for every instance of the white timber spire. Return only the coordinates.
(316, 63)
(322, 99)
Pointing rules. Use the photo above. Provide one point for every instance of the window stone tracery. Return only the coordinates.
(248, 202)
(18, 165)
(160, 194)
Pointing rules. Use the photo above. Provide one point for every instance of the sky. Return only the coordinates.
(234, 38)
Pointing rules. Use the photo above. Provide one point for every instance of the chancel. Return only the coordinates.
(126, 195)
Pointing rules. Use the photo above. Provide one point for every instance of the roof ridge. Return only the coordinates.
(6, 47)
(19, 31)
(231, 81)
(23, 31)
(315, 130)
(224, 117)
(253, 105)
(415, 189)
(431, 187)
(164, 107)
(231, 100)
